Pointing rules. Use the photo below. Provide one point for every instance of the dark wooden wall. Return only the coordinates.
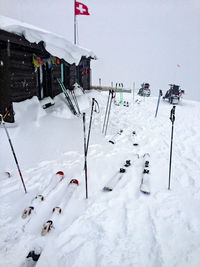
(20, 79)
(22, 75)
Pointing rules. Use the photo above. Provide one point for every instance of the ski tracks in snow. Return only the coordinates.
(122, 228)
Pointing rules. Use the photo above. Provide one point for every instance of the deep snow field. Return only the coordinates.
(122, 228)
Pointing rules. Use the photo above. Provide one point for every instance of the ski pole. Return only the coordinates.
(75, 101)
(92, 109)
(121, 92)
(106, 111)
(160, 94)
(85, 154)
(133, 91)
(20, 174)
(112, 96)
(172, 118)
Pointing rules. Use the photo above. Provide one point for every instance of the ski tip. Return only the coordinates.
(61, 173)
(106, 188)
(27, 212)
(112, 142)
(58, 209)
(74, 181)
(47, 227)
(145, 192)
(135, 144)
(7, 174)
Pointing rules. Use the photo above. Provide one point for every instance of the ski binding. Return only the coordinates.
(27, 212)
(134, 136)
(144, 186)
(47, 227)
(58, 210)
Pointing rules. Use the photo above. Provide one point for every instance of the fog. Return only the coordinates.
(135, 41)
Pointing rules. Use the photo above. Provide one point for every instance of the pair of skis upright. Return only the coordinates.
(68, 98)
(111, 96)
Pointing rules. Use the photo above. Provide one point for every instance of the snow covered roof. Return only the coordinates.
(56, 45)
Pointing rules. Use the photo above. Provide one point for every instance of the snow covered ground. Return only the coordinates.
(122, 228)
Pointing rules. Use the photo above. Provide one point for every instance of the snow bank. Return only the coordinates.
(54, 44)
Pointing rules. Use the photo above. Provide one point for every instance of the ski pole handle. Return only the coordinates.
(96, 107)
(172, 114)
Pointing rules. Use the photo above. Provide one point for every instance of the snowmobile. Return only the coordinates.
(173, 94)
(144, 90)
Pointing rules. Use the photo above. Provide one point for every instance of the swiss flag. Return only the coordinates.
(81, 9)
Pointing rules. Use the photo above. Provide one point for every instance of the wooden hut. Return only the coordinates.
(27, 69)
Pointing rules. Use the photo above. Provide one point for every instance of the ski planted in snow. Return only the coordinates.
(48, 225)
(145, 186)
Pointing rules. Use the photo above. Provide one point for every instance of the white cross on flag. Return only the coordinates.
(81, 9)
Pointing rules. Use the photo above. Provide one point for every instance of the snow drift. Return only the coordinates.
(119, 228)
(54, 44)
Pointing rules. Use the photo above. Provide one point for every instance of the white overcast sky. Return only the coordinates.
(134, 40)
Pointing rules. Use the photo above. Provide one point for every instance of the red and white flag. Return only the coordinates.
(80, 9)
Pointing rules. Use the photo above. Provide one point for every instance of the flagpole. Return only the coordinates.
(74, 23)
